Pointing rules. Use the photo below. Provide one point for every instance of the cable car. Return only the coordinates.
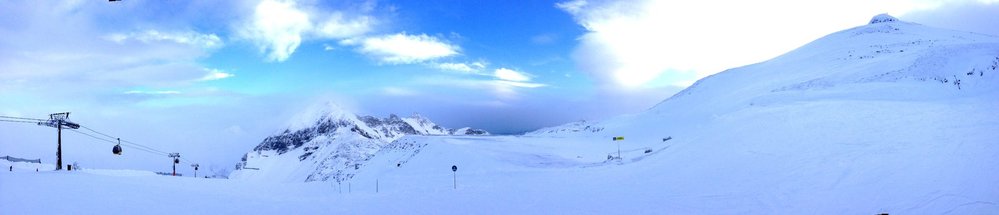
(116, 150)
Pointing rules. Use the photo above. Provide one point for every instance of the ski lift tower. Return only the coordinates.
(59, 121)
(176, 160)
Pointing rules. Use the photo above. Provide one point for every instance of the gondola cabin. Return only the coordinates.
(116, 150)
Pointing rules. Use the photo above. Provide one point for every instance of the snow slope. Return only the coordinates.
(869, 119)
(864, 121)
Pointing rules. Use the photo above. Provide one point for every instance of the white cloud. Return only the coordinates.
(337, 26)
(278, 27)
(460, 67)
(185, 38)
(397, 91)
(504, 83)
(508, 80)
(506, 89)
(473, 68)
(154, 92)
(501, 88)
(510, 75)
(73, 46)
(403, 48)
(480, 64)
(630, 43)
(215, 74)
(519, 84)
(573, 7)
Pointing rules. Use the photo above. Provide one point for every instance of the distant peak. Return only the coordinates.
(328, 110)
(884, 17)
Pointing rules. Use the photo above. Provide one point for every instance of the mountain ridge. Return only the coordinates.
(326, 142)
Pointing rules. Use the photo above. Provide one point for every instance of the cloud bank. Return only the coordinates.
(278, 27)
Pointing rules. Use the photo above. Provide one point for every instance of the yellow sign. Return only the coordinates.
(618, 138)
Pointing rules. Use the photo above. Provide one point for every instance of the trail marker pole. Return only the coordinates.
(454, 175)
(616, 139)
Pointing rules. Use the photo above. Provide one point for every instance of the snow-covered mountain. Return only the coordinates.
(885, 60)
(327, 142)
(566, 129)
(468, 131)
(880, 60)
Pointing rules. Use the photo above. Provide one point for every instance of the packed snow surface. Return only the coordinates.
(890, 117)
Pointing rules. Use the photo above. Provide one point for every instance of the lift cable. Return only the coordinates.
(129, 143)
(23, 118)
(113, 142)
(133, 144)
(21, 121)
(147, 147)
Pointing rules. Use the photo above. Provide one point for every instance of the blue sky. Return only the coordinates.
(213, 78)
